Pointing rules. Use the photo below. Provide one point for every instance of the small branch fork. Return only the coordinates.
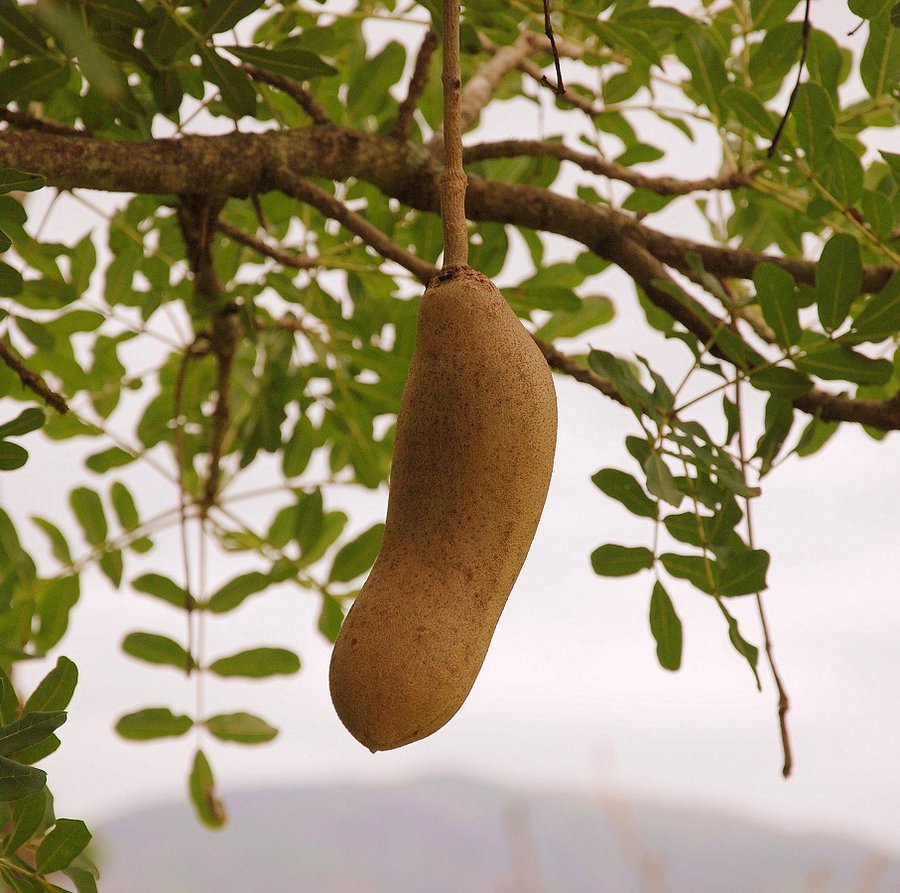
(32, 380)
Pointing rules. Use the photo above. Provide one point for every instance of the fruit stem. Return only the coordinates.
(453, 177)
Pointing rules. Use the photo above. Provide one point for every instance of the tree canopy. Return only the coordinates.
(244, 307)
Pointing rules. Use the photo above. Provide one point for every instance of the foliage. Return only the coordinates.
(280, 341)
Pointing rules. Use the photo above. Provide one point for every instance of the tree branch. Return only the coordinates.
(482, 85)
(243, 164)
(596, 165)
(32, 380)
(286, 258)
(293, 88)
(327, 204)
(417, 84)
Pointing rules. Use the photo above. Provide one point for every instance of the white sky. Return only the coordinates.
(571, 693)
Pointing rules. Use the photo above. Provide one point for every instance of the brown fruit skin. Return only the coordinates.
(473, 454)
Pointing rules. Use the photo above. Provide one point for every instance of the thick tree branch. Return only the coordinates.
(243, 164)
(596, 165)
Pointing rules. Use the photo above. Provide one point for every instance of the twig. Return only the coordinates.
(793, 96)
(289, 183)
(560, 87)
(481, 86)
(293, 88)
(30, 122)
(286, 258)
(783, 702)
(417, 84)
(32, 380)
(596, 165)
(453, 177)
(563, 363)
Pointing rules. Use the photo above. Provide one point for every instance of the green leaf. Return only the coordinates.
(34, 80)
(222, 15)
(27, 816)
(29, 729)
(814, 118)
(12, 456)
(301, 65)
(706, 65)
(660, 481)
(123, 504)
(18, 781)
(55, 690)
(257, 663)
(71, 33)
(666, 628)
(357, 556)
(781, 380)
(12, 180)
(816, 434)
(879, 67)
(112, 565)
(778, 422)
(838, 279)
(298, 450)
(153, 722)
(331, 616)
(594, 311)
(624, 488)
(58, 545)
(777, 299)
(201, 786)
(741, 572)
(84, 881)
(233, 593)
(244, 728)
(234, 85)
(26, 421)
(156, 649)
(308, 520)
(749, 110)
(19, 31)
(880, 317)
(368, 90)
(165, 589)
(89, 512)
(103, 461)
(65, 841)
(842, 174)
(620, 561)
(842, 363)
(694, 568)
(54, 601)
(743, 647)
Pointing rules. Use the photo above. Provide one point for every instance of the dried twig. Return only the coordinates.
(559, 87)
(793, 96)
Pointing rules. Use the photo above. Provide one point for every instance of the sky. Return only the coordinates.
(571, 695)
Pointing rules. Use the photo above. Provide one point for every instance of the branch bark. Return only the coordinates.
(241, 165)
